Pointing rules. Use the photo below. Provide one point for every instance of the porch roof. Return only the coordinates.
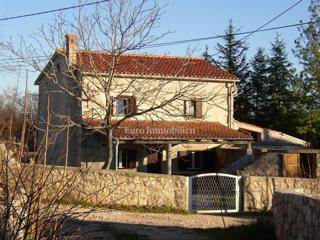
(173, 130)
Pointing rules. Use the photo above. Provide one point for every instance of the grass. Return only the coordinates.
(145, 209)
(262, 229)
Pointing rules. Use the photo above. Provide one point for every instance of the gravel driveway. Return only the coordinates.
(155, 226)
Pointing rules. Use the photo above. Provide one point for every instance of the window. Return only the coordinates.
(193, 108)
(127, 159)
(125, 105)
(190, 160)
(122, 106)
(190, 107)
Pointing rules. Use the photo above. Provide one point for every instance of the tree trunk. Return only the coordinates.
(109, 142)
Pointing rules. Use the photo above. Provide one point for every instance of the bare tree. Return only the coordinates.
(28, 207)
(104, 37)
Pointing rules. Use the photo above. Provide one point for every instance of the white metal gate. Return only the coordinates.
(214, 192)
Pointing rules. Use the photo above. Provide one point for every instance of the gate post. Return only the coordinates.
(189, 193)
(238, 197)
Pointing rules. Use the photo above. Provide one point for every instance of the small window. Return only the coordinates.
(193, 108)
(122, 106)
(125, 105)
(190, 108)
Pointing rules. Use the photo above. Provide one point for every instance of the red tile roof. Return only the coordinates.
(174, 130)
(151, 65)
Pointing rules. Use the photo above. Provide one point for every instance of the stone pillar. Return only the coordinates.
(169, 160)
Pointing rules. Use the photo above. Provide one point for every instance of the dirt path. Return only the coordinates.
(157, 226)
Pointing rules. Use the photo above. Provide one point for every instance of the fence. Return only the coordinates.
(208, 192)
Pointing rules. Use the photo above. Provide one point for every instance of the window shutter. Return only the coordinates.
(198, 112)
(185, 108)
(132, 105)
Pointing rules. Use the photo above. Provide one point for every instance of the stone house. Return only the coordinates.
(194, 133)
(142, 142)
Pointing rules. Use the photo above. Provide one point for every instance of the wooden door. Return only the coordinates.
(291, 165)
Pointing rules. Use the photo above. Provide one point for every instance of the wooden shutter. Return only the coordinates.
(185, 108)
(132, 105)
(291, 165)
(198, 110)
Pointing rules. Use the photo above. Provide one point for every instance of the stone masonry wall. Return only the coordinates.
(258, 191)
(265, 164)
(296, 216)
(125, 188)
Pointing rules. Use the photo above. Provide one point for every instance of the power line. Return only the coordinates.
(224, 35)
(51, 11)
(249, 33)
(241, 41)
(271, 20)
(194, 39)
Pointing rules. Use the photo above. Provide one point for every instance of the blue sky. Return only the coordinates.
(187, 19)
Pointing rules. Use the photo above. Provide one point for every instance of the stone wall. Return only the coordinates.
(126, 188)
(296, 216)
(264, 164)
(258, 191)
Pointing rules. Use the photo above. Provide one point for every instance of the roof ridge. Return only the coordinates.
(176, 121)
(145, 55)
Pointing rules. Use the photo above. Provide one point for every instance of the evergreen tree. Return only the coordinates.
(231, 57)
(308, 52)
(258, 81)
(281, 76)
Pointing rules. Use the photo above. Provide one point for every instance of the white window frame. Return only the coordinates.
(190, 108)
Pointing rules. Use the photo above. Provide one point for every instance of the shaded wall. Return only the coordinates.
(296, 216)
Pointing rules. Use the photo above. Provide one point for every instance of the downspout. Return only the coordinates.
(232, 90)
(229, 102)
(116, 153)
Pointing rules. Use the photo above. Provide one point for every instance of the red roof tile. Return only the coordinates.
(151, 65)
(178, 130)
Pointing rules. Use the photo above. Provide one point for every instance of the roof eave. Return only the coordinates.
(191, 140)
(161, 77)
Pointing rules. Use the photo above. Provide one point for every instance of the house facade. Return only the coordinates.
(170, 114)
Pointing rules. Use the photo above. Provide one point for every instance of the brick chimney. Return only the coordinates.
(71, 47)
